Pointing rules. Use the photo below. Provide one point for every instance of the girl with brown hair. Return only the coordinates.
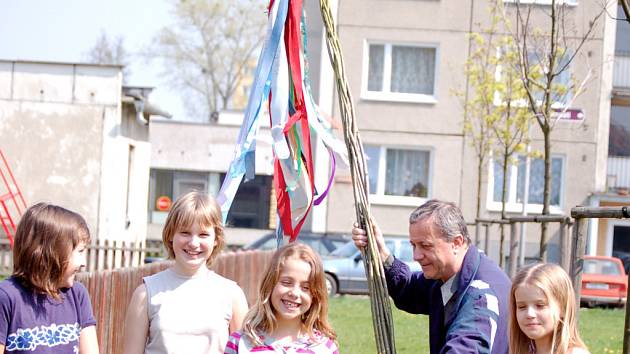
(42, 309)
(187, 308)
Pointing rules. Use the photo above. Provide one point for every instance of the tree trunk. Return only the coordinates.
(546, 193)
(503, 197)
(625, 5)
(479, 174)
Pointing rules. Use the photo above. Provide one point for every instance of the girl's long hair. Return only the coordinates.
(554, 282)
(261, 318)
(44, 240)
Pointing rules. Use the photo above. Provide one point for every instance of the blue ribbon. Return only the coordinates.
(244, 160)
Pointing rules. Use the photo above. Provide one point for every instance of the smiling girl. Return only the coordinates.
(291, 314)
(543, 312)
(42, 309)
(187, 308)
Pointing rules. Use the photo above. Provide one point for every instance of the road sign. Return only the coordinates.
(571, 114)
(163, 203)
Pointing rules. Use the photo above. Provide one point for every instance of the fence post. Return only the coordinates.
(565, 246)
(626, 328)
(579, 237)
(477, 233)
(487, 240)
(513, 249)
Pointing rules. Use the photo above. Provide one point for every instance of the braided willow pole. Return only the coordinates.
(381, 310)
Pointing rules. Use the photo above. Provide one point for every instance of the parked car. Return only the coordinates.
(345, 273)
(604, 281)
(320, 243)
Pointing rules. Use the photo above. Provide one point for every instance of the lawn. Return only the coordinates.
(601, 329)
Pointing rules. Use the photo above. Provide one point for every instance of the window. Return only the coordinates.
(250, 208)
(406, 253)
(396, 72)
(562, 84)
(544, 2)
(398, 172)
(516, 184)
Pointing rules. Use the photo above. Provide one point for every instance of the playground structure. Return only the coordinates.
(12, 203)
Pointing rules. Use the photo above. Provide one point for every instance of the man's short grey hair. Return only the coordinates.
(446, 217)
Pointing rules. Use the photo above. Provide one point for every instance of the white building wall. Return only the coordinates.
(60, 129)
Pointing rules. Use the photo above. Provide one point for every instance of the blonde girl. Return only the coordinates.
(187, 308)
(42, 309)
(291, 313)
(543, 312)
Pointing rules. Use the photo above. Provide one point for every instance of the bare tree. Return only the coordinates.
(625, 5)
(545, 56)
(109, 51)
(209, 49)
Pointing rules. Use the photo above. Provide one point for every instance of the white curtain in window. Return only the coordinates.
(413, 69)
(372, 154)
(537, 180)
(376, 67)
(407, 173)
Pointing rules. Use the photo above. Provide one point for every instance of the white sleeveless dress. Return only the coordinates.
(188, 315)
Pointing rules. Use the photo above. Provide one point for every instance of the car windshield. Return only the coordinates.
(601, 266)
(346, 250)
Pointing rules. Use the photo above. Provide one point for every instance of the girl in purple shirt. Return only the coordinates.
(42, 309)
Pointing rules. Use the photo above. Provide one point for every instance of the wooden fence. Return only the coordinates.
(112, 254)
(103, 254)
(572, 247)
(581, 215)
(111, 290)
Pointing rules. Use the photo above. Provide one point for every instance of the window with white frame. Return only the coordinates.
(516, 181)
(544, 2)
(561, 94)
(400, 72)
(398, 172)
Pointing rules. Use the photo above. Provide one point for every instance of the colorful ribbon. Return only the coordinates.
(282, 79)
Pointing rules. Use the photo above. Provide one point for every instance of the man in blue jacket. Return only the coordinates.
(464, 293)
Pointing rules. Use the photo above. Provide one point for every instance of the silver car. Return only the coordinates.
(345, 273)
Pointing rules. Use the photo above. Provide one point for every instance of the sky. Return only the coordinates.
(64, 30)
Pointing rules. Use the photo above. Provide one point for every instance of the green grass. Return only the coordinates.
(601, 329)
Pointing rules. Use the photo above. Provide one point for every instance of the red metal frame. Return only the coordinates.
(12, 191)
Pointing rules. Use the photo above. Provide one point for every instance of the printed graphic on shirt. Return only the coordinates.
(48, 336)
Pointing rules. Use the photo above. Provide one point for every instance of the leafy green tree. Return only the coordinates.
(496, 119)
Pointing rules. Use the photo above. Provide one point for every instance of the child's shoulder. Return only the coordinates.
(11, 286)
(578, 350)
(78, 288)
(224, 282)
(318, 343)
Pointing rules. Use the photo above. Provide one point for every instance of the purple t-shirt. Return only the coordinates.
(39, 324)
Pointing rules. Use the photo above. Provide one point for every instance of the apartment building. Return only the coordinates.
(403, 60)
(612, 237)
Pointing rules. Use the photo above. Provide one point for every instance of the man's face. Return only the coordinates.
(432, 251)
